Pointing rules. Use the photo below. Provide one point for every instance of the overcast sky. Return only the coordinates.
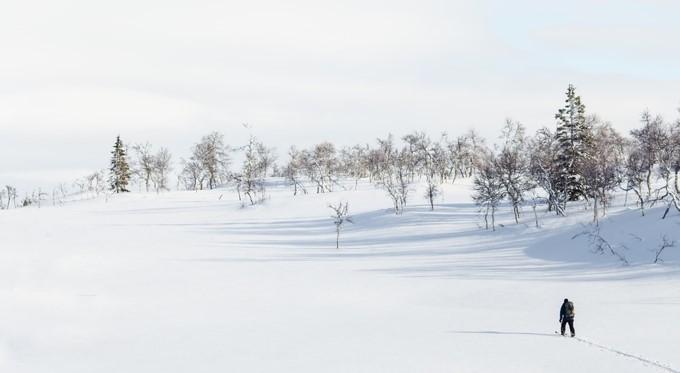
(74, 74)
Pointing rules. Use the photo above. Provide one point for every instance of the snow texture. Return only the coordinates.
(193, 282)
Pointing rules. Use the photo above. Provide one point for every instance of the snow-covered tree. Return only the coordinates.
(9, 194)
(574, 137)
(119, 173)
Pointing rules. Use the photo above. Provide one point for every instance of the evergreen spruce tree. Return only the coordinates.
(574, 138)
(119, 175)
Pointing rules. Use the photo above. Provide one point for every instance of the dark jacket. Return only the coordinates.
(567, 311)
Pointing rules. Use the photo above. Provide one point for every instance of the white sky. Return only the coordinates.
(74, 74)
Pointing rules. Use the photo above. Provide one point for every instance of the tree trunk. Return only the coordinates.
(649, 184)
(595, 212)
(642, 201)
(535, 214)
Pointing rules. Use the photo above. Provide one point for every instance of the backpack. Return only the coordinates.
(570, 309)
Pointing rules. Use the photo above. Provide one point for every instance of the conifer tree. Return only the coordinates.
(574, 139)
(119, 173)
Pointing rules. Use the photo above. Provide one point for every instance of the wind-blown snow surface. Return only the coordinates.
(190, 282)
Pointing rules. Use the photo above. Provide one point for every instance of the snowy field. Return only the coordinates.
(191, 282)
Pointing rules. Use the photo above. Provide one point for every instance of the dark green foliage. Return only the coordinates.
(119, 173)
(574, 138)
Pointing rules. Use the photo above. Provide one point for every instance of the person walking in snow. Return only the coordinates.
(567, 316)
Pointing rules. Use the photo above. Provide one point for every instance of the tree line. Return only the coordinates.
(583, 158)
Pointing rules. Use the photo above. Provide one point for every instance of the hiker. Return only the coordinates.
(567, 316)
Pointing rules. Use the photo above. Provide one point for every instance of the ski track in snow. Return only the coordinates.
(631, 356)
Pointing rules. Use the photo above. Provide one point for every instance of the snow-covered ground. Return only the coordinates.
(191, 282)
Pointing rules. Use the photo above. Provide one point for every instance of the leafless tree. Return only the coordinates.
(192, 176)
(208, 165)
(294, 169)
(602, 169)
(600, 245)
(635, 173)
(416, 144)
(267, 158)
(424, 157)
(672, 157)
(143, 164)
(535, 202)
(543, 153)
(391, 172)
(649, 142)
(340, 217)
(213, 157)
(251, 180)
(513, 165)
(96, 183)
(354, 162)
(321, 165)
(665, 243)
(162, 165)
(488, 189)
(465, 153)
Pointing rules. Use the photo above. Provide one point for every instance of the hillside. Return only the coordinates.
(192, 282)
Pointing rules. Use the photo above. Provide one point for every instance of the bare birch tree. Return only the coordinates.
(340, 217)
